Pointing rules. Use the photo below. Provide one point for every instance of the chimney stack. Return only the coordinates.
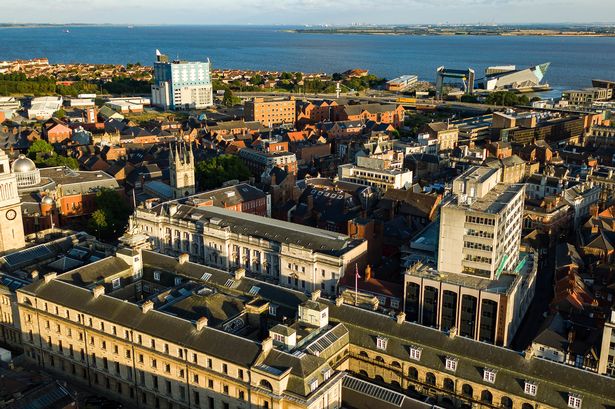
(315, 295)
(184, 258)
(267, 344)
(201, 323)
(98, 291)
(50, 276)
(147, 306)
(401, 317)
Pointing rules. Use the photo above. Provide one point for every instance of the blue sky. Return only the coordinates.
(305, 11)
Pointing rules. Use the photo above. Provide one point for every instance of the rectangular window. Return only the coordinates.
(489, 375)
(530, 388)
(574, 401)
(451, 364)
(381, 343)
(115, 283)
(415, 353)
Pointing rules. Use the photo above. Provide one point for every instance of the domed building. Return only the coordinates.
(26, 172)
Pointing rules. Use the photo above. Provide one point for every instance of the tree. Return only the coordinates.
(38, 148)
(214, 172)
(110, 219)
(229, 99)
(59, 114)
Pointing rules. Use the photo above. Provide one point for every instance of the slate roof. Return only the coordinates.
(266, 228)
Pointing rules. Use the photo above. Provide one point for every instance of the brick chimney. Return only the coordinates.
(267, 344)
(50, 276)
(400, 317)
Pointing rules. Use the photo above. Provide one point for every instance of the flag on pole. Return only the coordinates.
(356, 284)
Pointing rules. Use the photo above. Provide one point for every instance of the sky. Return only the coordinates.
(298, 12)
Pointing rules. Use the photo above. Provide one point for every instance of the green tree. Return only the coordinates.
(229, 99)
(212, 173)
(59, 113)
(110, 219)
(38, 148)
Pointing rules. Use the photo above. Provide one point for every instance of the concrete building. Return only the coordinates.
(587, 96)
(181, 84)
(480, 230)
(11, 226)
(293, 255)
(445, 134)
(261, 163)
(271, 111)
(606, 364)
(526, 79)
(42, 108)
(401, 83)
(580, 198)
(383, 171)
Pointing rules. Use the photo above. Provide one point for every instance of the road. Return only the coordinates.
(379, 97)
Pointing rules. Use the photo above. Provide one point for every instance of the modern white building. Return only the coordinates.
(383, 171)
(43, 108)
(181, 84)
(480, 229)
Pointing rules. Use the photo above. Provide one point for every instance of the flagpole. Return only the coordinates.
(356, 285)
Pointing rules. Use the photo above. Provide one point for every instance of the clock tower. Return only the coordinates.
(11, 224)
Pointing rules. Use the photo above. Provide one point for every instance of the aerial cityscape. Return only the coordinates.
(282, 211)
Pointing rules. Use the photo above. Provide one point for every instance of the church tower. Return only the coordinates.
(181, 170)
(11, 224)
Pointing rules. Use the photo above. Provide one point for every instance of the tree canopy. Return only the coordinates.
(214, 172)
(110, 219)
(507, 98)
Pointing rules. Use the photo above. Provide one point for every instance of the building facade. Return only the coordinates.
(181, 84)
(11, 225)
(271, 111)
(295, 256)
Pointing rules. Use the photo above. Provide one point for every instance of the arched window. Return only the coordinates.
(430, 379)
(467, 391)
(363, 354)
(395, 364)
(506, 402)
(265, 384)
(413, 373)
(379, 379)
(486, 397)
(363, 374)
(449, 385)
(527, 406)
(379, 359)
(395, 385)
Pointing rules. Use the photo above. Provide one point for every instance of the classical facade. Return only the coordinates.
(11, 225)
(106, 326)
(293, 255)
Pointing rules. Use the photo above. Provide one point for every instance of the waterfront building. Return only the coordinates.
(401, 83)
(181, 84)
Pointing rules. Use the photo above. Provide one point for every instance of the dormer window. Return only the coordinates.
(574, 401)
(326, 374)
(313, 385)
(489, 375)
(451, 364)
(530, 388)
(115, 283)
(156, 275)
(415, 353)
(381, 343)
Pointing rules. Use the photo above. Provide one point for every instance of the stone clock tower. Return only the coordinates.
(11, 224)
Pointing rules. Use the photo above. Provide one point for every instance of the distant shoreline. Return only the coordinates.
(447, 33)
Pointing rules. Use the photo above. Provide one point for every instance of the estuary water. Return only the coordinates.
(574, 60)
